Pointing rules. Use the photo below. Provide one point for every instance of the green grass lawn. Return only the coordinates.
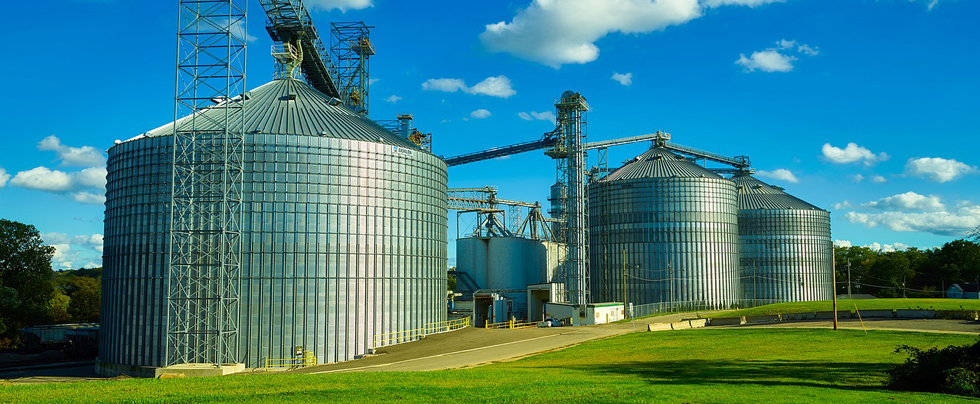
(720, 366)
(862, 304)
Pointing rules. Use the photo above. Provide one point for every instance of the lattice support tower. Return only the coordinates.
(351, 47)
(571, 158)
(204, 275)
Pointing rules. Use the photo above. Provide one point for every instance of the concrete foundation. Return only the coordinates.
(187, 370)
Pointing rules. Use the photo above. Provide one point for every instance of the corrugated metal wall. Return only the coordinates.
(680, 236)
(344, 239)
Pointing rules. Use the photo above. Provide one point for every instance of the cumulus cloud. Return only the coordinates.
(909, 202)
(557, 32)
(342, 5)
(43, 179)
(887, 247)
(878, 179)
(480, 114)
(499, 86)
(72, 249)
(775, 59)
(624, 79)
(749, 3)
(540, 116)
(85, 186)
(393, 98)
(842, 243)
(852, 153)
(857, 178)
(85, 156)
(938, 169)
(954, 222)
(4, 177)
(768, 61)
(781, 174)
(843, 205)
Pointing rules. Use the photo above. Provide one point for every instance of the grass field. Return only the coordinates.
(862, 304)
(721, 366)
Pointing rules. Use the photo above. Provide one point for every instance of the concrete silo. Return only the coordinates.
(785, 245)
(676, 222)
(344, 234)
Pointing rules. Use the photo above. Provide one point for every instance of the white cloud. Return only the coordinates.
(807, 50)
(94, 177)
(843, 205)
(43, 179)
(85, 156)
(938, 169)
(955, 222)
(342, 5)
(393, 99)
(557, 32)
(4, 177)
(781, 174)
(842, 243)
(480, 114)
(69, 250)
(852, 153)
(373, 80)
(540, 116)
(879, 179)
(499, 86)
(624, 79)
(932, 4)
(887, 247)
(444, 85)
(857, 177)
(749, 3)
(768, 61)
(88, 198)
(909, 202)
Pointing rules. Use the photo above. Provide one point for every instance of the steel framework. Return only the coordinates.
(290, 23)
(351, 48)
(571, 156)
(204, 275)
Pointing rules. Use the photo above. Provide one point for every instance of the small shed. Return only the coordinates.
(963, 291)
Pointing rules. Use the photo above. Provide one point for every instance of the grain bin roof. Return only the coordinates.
(660, 163)
(755, 194)
(291, 107)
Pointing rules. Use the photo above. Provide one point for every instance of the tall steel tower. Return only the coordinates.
(570, 155)
(351, 47)
(204, 276)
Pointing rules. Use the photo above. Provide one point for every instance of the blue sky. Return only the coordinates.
(790, 83)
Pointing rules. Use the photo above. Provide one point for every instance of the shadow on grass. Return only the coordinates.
(840, 375)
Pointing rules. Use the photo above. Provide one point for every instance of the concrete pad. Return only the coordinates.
(200, 370)
(727, 321)
(768, 318)
(659, 327)
(800, 316)
(912, 313)
(829, 315)
(876, 313)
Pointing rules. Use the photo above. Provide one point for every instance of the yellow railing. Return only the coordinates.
(308, 359)
(513, 324)
(399, 337)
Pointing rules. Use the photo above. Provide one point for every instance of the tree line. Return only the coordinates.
(909, 273)
(31, 293)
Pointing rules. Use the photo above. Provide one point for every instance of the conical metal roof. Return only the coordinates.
(292, 107)
(660, 163)
(755, 194)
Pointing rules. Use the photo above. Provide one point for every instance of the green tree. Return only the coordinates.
(25, 267)
(58, 313)
(84, 294)
(892, 269)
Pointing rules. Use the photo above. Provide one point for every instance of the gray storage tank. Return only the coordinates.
(786, 246)
(344, 234)
(676, 222)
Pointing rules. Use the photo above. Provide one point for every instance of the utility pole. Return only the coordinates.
(625, 313)
(754, 303)
(833, 255)
(849, 279)
(670, 268)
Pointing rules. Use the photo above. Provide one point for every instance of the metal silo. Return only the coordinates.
(344, 234)
(677, 224)
(786, 247)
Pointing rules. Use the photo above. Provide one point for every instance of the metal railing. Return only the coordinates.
(513, 324)
(399, 337)
(308, 359)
